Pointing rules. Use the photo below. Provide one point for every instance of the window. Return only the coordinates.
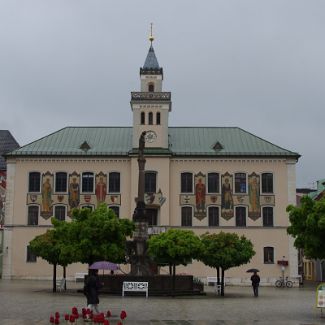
(268, 255)
(61, 182)
(240, 183)
(114, 182)
(186, 183)
(267, 183)
(59, 212)
(87, 182)
(34, 182)
(90, 207)
(213, 183)
(31, 257)
(158, 118)
(268, 217)
(33, 212)
(116, 210)
(187, 216)
(150, 118)
(151, 87)
(152, 217)
(240, 216)
(143, 119)
(150, 182)
(213, 216)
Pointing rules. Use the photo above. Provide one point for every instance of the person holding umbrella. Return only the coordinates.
(255, 281)
(91, 289)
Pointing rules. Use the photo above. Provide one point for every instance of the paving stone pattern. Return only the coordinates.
(32, 303)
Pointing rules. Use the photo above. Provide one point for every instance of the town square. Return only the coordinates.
(161, 163)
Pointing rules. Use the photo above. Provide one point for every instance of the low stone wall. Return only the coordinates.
(158, 284)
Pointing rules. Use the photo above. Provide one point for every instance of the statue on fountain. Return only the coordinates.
(140, 262)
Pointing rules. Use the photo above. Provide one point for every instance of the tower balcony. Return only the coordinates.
(150, 96)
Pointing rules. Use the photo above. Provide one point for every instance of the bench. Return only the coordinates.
(60, 284)
(132, 286)
(80, 276)
(213, 279)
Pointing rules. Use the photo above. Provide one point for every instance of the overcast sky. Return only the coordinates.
(258, 65)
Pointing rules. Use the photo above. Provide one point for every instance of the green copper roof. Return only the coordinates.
(183, 141)
(320, 189)
(221, 141)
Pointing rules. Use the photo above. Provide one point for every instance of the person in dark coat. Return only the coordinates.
(91, 289)
(255, 283)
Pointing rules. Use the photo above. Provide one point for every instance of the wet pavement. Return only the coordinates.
(24, 302)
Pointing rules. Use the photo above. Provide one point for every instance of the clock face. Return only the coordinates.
(150, 136)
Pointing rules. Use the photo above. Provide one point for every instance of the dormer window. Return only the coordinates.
(158, 118)
(143, 119)
(151, 87)
(150, 118)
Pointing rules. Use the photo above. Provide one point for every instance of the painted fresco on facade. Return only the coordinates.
(227, 203)
(267, 200)
(47, 191)
(186, 199)
(254, 209)
(200, 191)
(74, 190)
(154, 199)
(101, 188)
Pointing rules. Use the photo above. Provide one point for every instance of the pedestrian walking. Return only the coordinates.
(255, 283)
(91, 289)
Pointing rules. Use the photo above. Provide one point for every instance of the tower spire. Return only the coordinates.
(151, 38)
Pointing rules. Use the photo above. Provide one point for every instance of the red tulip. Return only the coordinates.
(108, 314)
(123, 314)
(119, 323)
(74, 310)
(52, 319)
(57, 321)
(106, 322)
(71, 319)
(66, 316)
(57, 314)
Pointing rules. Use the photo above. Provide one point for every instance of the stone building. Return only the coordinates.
(7, 143)
(201, 178)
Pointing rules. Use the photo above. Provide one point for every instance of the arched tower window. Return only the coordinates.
(158, 118)
(143, 119)
(150, 118)
(151, 87)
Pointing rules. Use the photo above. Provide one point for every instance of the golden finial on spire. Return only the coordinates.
(151, 38)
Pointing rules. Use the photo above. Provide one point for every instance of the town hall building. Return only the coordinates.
(207, 179)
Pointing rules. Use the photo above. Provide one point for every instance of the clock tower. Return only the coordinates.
(151, 105)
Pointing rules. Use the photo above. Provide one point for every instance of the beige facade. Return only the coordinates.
(167, 201)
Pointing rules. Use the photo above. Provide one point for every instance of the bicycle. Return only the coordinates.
(283, 283)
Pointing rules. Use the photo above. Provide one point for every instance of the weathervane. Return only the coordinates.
(151, 38)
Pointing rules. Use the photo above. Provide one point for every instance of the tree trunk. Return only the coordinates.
(174, 280)
(65, 277)
(54, 278)
(170, 269)
(222, 282)
(218, 275)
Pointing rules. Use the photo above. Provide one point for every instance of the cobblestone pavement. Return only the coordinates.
(32, 303)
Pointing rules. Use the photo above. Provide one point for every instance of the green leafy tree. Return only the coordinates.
(223, 251)
(49, 247)
(173, 248)
(91, 236)
(95, 235)
(308, 226)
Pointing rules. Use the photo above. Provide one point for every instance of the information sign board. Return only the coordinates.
(320, 296)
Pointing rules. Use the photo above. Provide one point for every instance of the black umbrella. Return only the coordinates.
(252, 270)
